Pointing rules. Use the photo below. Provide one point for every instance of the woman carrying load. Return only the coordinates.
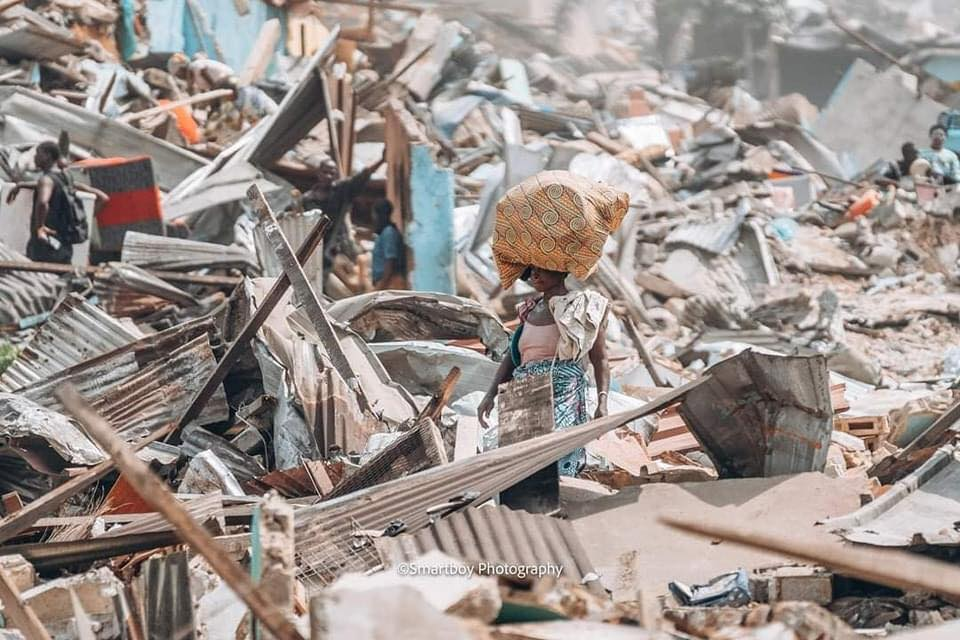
(558, 331)
(549, 225)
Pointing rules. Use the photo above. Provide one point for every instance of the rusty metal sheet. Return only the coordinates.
(137, 401)
(149, 251)
(23, 294)
(76, 331)
(921, 509)
(326, 533)
(384, 316)
(496, 535)
(762, 415)
(418, 449)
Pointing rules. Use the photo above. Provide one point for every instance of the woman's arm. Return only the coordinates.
(601, 368)
(504, 373)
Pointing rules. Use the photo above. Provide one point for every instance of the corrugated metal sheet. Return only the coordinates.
(384, 316)
(760, 415)
(326, 533)
(296, 228)
(716, 237)
(921, 509)
(300, 111)
(496, 535)
(175, 254)
(23, 294)
(75, 332)
(415, 450)
(138, 402)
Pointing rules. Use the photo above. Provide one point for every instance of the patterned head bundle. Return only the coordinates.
(555, 220)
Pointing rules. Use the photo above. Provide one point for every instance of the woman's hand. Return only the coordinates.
(484, 409)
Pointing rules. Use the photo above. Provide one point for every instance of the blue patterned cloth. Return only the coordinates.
(569, 402)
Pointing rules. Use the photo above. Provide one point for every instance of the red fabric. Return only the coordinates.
(131, 206)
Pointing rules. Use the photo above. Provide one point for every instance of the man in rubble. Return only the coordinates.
(334, 197)
(944, 164)
(54, 208)
(389, 255)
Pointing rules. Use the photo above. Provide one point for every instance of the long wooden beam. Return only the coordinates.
(156, 494)
(306, 296)
(249, 330)
(896, 569)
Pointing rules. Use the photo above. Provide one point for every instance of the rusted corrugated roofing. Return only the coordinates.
(76, 331)
(496, 535)
(139, 398)
(25, 294)
(921, 509)
(325, 533)
(150, 251)
(760, 415)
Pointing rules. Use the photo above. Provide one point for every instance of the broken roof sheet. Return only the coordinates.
(325, 538)
(762, 415)
(921, 509)
(497, 535)
(75, 332)
(25, 294)
(302, 108)
(410, 315)
(140, 397)
(106, 136)
(150, 251)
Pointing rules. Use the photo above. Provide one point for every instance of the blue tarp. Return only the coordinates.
(174, 27)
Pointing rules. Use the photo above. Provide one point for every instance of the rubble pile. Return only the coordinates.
(232, 411)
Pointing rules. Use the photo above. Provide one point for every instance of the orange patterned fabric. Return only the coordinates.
(555, 220)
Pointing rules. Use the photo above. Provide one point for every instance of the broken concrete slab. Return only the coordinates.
(792, 504)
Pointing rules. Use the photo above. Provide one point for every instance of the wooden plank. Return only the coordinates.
(897, 569)
(305, 294)
(525, 409)
(19, 611)
(941, 432)
(262, 52)
(158, 495)
(11, 503)
(200, 98)
(249, 330)
(435, 406)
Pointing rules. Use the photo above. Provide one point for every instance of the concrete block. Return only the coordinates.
(20, 572)
(793, 584)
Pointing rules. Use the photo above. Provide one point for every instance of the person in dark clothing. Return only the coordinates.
(901, 168)
(51, 208)
(389, 254)
(334, 197)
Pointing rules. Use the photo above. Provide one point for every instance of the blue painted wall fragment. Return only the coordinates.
(429, 234)
(173, 28)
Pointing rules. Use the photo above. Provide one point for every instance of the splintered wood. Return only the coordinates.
(525, 409)
(158, 496)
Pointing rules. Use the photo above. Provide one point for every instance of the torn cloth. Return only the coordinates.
(555, 220)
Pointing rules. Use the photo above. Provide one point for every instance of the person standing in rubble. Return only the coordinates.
(334, 197)
(389, 255)
(54, 206)
(944, 164)
(558, 331)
